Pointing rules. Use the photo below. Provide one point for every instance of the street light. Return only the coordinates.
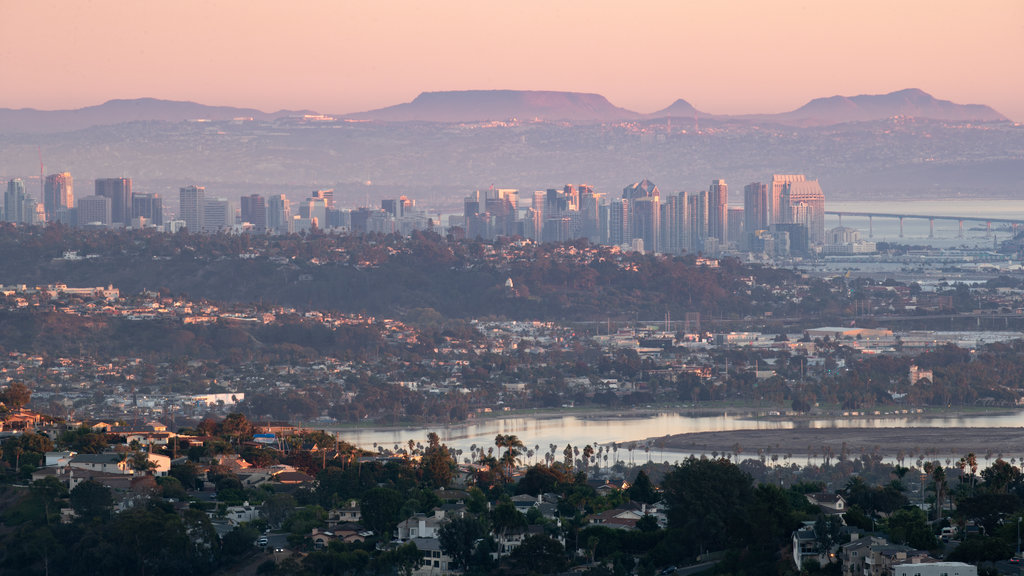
(1018, 536)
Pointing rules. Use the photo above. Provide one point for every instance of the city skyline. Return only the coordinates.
(341, 58)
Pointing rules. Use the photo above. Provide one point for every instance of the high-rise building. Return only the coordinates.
(647, 222)
(697, 208)
(619, 229)
(675, 225)
(191, 207)
(19, 207)
(643, 204)
(95, 210)
(718, 211)
(254, 211)
(217, 215)
(780, 210)
(149, 207)
(58, 194)
(119, 190)
(807, 207)
(756, 208)
(279, 214)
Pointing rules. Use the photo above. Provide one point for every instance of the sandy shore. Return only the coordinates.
(933, 443)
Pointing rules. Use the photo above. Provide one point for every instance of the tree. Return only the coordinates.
(381, 509)
(277, 507)
(459, 539)
(91, 500)
(642, 490)
(437, 464)
(17, 395)
(910, 526)
(539, 554)
(709, 502)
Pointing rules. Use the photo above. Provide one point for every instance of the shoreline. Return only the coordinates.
(931, 443)
(742, 410)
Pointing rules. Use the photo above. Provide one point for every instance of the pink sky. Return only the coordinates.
(334, 56)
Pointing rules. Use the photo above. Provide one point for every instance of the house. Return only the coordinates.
(434, 560)
(874, 556)
(293, 478)
(935, 569)
(828, 503)
(239, 514)
(348, 513)
(103, 463)
(622, 518)
(420, 526)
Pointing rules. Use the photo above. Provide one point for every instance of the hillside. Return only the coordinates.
(482, 105)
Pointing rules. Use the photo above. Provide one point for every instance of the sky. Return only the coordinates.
(337, 57)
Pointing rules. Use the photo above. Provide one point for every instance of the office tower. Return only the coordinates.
(588, 211)
(119, 190)
(254, 211)
(326, 195)
(807, 207)
(647, 222)
(735, 225)
(279, 214)
(756, 208)
(95, 210)
(217, 215)
(19, 207)
(718, 211)
(535, 216)
(643, 213)
(58, 194)
(503, 207)
(191, 207)
(697, 208)
(148, 206)
(619, 231)
(675, 230)
(779, 208)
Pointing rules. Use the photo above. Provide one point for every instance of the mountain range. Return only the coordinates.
(504, 105)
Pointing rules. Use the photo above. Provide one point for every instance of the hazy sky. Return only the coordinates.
(337, 56)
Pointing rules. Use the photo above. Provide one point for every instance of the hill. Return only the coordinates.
(482, 105)
(867, 107)
(30, 120)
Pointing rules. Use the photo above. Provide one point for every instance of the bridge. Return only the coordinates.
(1014, 223)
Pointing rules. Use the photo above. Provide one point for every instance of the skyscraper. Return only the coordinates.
(58, 195)
(807, 206)
(148, 206)
(697, 208)
(191, 207)
(756, 208)
(119, 190)
(780, 210)
(643, 205)
(217, 215)
(94, 210)
(279, 214)
(718, 210)
(19, 207)
(675, 224)
(254, 211)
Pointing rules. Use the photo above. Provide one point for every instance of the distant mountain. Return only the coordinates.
(120, 111)
(867, 107)
(679, 109)
(483, 105)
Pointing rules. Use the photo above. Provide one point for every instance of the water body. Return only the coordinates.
(917, 231)
(629, 429)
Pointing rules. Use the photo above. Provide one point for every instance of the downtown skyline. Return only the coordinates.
(341, 58)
